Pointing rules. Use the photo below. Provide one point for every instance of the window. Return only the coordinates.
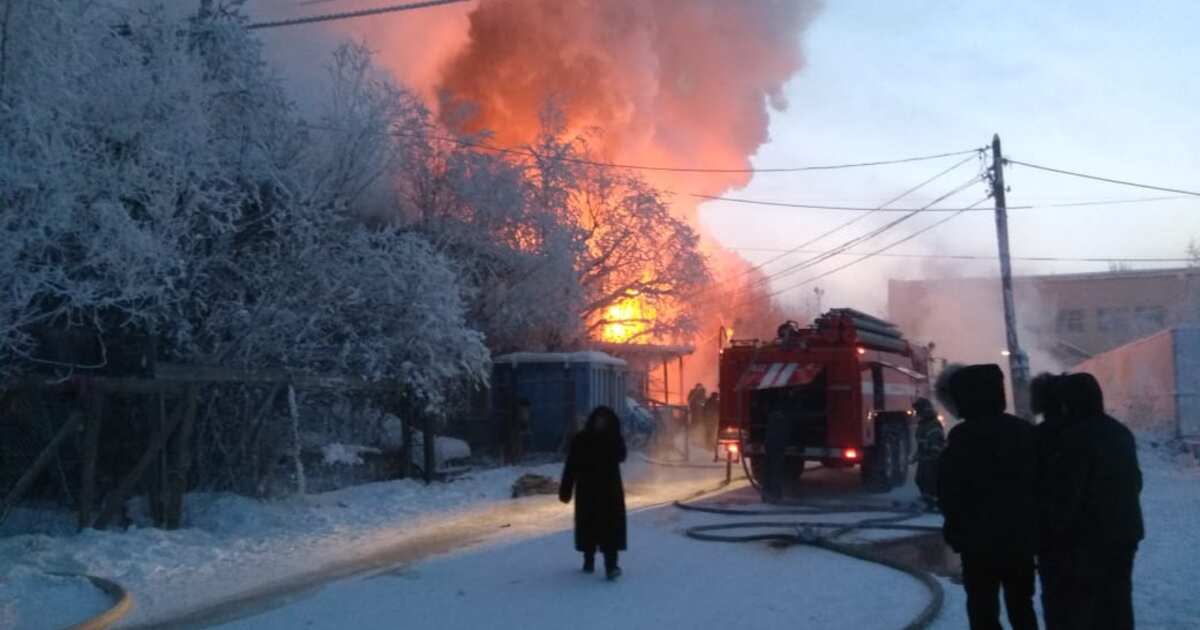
(1070, 320)
(1148, 319)
(1112, 320)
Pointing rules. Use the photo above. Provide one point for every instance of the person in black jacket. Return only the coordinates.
(1094, 507)
(593, 474)
(986, 484)
(931, 440)
(1053, 552)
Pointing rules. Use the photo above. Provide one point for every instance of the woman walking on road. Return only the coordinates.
(593, 474)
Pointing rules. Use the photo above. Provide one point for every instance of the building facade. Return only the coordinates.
(1062, 319)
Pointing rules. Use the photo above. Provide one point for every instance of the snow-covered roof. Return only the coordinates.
(589, 356)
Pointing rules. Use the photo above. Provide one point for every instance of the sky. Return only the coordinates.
(1102, 87)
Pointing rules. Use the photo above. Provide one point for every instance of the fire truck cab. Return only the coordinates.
(846, 385)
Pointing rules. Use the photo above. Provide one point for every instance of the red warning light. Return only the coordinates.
(850, 453)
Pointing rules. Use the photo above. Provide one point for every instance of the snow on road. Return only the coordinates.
(233, 544)
(510, 562)
(670, 581)
(1167, 567)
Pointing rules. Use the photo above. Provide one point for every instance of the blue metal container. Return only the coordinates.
(560, 389)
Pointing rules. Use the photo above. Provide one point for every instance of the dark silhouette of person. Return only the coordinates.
(931, 440)
(695, 400)
(593, 474)
(1053, 551)
(712, 417)
(986, 485)
(1093, 508)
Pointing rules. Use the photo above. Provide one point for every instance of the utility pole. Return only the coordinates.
(1018, 363)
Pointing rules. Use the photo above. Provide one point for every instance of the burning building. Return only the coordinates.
(658, 82)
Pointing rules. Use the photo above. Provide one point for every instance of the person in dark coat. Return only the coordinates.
(1053, 560)
(593, 474)
(712, 418)
(1094, 507)
(931, 441)
(986, 485)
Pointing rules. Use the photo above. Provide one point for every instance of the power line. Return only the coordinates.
(872, 234)
(1102, 179)
(858, 218)
(809, 206)
(815, 206)
(690, 169)
(1103, 259)
(876, 252)
(329, 17)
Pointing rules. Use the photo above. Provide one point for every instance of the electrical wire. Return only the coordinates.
(816, 206)
(978, 257)
(1098, 178)
(330, 17)
(698, 169)
(841, 226)
(872, 234)
(876, 252)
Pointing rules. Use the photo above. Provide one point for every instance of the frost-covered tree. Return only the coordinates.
(635, 248)
(156, 179)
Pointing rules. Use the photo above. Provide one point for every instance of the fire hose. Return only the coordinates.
(806, 533)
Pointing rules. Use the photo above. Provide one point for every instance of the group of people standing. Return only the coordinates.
(1059, 499)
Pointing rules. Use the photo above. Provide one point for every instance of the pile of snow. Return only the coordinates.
(345, 454)
(32, 599)
(232, 543)
(445, 450)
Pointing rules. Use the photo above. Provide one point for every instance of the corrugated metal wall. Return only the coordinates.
(1187, 381)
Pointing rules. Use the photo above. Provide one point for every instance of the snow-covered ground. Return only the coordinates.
(1167, 567)
(670, 582)
(233, 544)
(509, 563)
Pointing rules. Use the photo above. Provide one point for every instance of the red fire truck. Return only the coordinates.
(846, 385)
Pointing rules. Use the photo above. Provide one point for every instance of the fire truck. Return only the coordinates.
(846, 385)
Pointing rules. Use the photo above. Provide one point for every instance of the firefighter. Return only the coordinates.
(711, 415)
(931, 439)
(592, 474)
(695, 400)
(986, 491)
(1094, 513)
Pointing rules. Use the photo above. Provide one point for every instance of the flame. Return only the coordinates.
(629, 320)
(664, 82)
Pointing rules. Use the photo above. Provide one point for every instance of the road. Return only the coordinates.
(526, 575)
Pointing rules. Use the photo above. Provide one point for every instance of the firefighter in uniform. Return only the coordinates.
(931, 439)
(695, 401)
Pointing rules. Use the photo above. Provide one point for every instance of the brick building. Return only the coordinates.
(1062, 319)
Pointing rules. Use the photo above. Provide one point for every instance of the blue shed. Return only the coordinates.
(561, 389)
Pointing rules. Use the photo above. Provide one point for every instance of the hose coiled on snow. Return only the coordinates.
(804, 533)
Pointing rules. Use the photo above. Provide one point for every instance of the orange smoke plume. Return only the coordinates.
(662, 82)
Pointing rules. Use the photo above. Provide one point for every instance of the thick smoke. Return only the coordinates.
(664, 81)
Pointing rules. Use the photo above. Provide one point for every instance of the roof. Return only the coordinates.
(590, 356)
(664, 351)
